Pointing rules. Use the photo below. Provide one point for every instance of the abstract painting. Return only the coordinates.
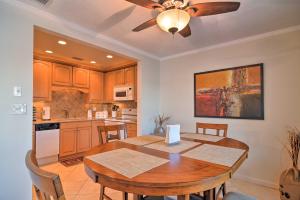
(230, 93)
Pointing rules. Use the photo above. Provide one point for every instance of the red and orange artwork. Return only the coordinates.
(230, 93)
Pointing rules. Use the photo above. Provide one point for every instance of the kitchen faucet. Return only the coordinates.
(66, 113)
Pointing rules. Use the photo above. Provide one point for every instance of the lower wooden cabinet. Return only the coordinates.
(78, 137)
(131, 130)
(83, 139)
(75, 137)
(67, 142)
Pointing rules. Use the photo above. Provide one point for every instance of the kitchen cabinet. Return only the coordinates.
(42, 73)
(130, 76)
(125, 76)
(62, 75)
(67, 141)
(119, 77)
(83, 139)
(81, 77)
(109, 83)
(131, 129)
(75, 137)
(96, 87)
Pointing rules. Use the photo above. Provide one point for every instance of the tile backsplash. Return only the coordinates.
(75, 102)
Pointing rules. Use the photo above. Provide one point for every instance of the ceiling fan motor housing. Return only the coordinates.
(168, 4)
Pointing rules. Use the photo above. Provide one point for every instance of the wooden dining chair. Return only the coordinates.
(47, 185)
(217, 127)
(104, 138)
(103, 132)
(221, 130)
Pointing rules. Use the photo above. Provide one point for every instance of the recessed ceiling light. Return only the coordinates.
(93, 62)
(109, 56)
(48, 51)
(62, 42)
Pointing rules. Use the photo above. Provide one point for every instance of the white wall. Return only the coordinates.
(281, 56)
(16, 47)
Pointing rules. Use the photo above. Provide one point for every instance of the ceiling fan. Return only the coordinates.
(174, 15)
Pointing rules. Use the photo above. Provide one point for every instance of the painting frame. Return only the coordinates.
(262, 114)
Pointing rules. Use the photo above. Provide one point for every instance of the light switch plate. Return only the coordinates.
(19, 109)
(17, 91)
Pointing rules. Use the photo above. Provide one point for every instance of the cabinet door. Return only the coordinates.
(83, 139)
(62, 75)
(67, 142)
(81, 77)
(131, 130)
(129, 74)
(96, 87)
(95, 134)
(109, 83)
(119, 77)
(42, 80)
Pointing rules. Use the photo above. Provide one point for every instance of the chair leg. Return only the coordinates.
(137, 197)
(125, 195)
(223, 189)
(210, 194)
(101, 192)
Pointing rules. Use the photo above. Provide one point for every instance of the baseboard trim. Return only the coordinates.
(257, 181)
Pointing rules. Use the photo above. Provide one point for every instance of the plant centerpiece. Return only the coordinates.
(160, 121)
(290, 178)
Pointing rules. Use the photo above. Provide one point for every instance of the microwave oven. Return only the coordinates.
(123, 93)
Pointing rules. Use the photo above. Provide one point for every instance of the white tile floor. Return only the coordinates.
(78, 186)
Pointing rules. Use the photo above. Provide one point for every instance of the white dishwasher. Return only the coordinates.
(47, 142)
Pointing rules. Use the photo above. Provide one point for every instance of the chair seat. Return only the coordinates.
(237, 196)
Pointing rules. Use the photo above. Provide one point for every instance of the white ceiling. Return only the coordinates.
(116, 19)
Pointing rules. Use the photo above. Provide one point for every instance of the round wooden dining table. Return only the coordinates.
(180, 177)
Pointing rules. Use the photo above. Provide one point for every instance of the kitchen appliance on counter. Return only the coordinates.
(101, 114)
(46, 113)
(123, 93)
(47, 142)
(129, 114)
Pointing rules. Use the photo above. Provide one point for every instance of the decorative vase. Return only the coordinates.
(290, 184)
(113, 114)
(159, 130)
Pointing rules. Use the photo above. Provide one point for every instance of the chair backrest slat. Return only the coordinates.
(104, 129)
(217, 127)
(46, 184)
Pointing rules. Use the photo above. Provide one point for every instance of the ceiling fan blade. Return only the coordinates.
(146, 3)
(186, 32)
(145, 25)
(212, 8)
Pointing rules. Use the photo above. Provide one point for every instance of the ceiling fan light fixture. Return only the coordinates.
(173, 20)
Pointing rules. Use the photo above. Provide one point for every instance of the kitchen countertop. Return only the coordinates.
(62, 120)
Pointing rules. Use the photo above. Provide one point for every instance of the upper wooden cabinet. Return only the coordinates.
(81, 77)
(109, 83)
(125, 76)
(130, 76)
(42, 72)
(96, 87)
(62, 75)
(119, 77)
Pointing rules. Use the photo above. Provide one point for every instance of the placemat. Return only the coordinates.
(127, 162)
(143, 140)
(176, 148)
(215, 154)
(199, 136)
